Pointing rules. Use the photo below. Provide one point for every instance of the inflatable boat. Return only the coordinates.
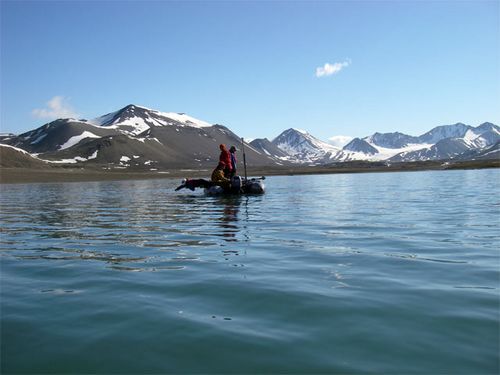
(239, 185)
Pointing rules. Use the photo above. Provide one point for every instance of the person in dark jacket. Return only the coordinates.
(225, 158)
(232, 153)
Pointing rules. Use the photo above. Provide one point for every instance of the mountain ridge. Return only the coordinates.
(144, 138)
(137, 137)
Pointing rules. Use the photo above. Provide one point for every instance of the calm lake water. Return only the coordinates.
(355, 273)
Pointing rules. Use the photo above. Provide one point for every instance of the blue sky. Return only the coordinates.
(329, 67)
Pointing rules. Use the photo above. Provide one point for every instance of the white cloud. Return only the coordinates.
(57, 107)
(329, 69)
(339, 140)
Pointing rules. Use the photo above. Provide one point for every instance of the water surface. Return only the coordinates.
(353, 273)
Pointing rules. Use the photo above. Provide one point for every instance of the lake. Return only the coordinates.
(346, 273)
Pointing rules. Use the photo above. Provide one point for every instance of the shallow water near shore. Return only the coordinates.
(351, 273)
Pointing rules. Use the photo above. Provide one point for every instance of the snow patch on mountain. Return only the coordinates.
(63, 161)
(102, 120)
(391, 140)
(344, 155)
(185, 119)
(74, 160)
(269, 148)
(383, 153)
(470, 136)
(76, 139)
(38, 139)
(302, 131)
(386, 153)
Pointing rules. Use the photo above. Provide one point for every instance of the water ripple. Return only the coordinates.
(384, 273)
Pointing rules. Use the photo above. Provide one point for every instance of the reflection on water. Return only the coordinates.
(229, 218)
(125, 228)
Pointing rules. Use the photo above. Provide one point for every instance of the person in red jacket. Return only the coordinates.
(225, 157)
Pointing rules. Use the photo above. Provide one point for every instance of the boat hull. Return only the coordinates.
(239, 186)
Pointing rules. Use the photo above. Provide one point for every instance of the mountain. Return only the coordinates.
(487, 153)
(58, 135)
(455, 141)
(447, 148)
(136, 120)
(302, 146)
(4, 137)
(134, 137)
(391, 140)
(360, 145)
(442, 142)
(445, 131)
(492, 152)
(488, 138)
(357, 149)
(139, 138)
(13, 157)
(487, 126)
(265, 146)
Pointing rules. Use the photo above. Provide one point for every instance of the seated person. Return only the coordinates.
(218, 177)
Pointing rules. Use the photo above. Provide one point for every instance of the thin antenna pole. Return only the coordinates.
(244, 157)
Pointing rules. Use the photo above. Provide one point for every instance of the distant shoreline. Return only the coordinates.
(24, 175)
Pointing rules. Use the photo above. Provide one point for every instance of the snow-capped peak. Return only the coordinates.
(302, 145)
(185, 119)
(301, 131)
(138, 119)
(439, 133)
